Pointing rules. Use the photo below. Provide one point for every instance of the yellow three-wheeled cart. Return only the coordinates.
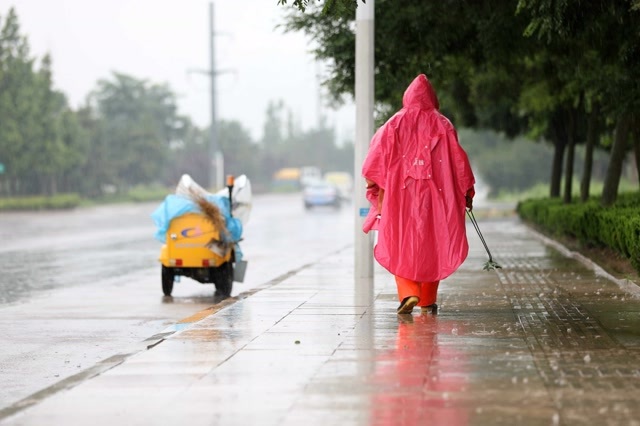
(188, 252)
(193, 246)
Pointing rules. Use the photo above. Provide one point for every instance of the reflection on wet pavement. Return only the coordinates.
(416, 380)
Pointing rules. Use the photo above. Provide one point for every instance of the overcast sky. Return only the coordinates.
(163, 40)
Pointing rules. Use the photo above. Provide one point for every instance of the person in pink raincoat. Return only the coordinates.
(419, 182)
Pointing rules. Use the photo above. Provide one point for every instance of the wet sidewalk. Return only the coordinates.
(547, 340)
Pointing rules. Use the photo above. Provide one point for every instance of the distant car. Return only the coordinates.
(320, 193)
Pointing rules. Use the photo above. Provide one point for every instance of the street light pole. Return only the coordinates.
(364, 98)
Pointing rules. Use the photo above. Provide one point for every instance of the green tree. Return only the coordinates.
(40, 141)
(46, 149)
(241, 154)
(600, 46)
(273, 137)
(17, 86)
(75, 145)
(96, 170)
(188, 154)
(140, 120)
(330, 6)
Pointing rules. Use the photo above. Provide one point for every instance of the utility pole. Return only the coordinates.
(216, 160)
(364, 97)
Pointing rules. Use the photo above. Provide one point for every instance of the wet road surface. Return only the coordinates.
(79, 287)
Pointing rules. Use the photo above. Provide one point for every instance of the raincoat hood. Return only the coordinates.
(416, 159)
(420, 94)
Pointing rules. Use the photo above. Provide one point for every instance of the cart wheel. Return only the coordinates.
(167, 280)
(224, 279)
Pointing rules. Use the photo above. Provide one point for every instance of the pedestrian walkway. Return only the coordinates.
(547, 340)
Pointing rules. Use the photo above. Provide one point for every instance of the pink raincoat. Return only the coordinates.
(416, 159)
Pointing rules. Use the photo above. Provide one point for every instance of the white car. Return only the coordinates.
(321, 193)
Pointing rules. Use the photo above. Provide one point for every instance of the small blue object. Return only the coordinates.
(364, 211)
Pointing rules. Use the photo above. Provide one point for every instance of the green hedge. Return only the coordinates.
(616, 227)
(56, 202)
(70, 201)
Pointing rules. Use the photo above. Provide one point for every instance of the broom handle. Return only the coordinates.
(475, 225)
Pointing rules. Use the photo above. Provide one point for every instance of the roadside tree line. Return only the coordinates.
(129, 133)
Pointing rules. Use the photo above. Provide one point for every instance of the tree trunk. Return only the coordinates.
(568, 171)
(557, 134)
(571, 149)
(592, 134)
(616, 158)
(556, 168)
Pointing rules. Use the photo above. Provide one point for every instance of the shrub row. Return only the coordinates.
(70, 201)
(616, 227)
(56, 202)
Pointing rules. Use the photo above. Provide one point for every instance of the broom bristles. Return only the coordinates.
(211, 212)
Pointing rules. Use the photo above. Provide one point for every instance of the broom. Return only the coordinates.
(490, 265)
(213, 214)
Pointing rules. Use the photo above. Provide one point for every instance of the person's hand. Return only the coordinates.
(469, 202)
